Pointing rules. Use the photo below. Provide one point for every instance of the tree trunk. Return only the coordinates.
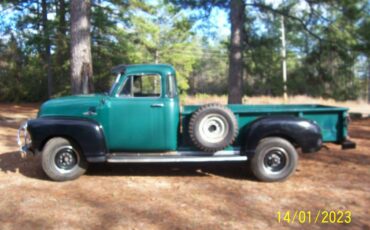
(235, 83)
(46, 51)
(61, 51)
(61, 35)
(368, 84)
(81, 61)
(62, 27)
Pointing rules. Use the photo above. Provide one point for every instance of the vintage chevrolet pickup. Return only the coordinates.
(140, 121)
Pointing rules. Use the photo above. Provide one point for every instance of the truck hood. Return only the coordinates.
(70, 106)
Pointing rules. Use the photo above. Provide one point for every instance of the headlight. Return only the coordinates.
(24, 138)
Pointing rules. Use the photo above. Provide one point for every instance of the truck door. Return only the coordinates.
(137, 115)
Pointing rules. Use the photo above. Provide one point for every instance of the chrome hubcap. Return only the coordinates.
(66, 158)
(213, 128)
(275, 160)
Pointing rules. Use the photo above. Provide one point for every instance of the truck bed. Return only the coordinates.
(332, 120)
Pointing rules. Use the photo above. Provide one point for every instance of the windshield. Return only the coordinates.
(114, 84)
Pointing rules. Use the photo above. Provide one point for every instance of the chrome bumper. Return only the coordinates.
(24, 140)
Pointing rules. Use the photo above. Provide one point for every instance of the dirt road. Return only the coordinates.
(180, 196)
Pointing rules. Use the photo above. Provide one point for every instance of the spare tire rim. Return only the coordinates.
(213, 128)
(276, 159)
(66, 159)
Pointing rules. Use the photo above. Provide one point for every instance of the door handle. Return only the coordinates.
(89, 113)
(158, 105)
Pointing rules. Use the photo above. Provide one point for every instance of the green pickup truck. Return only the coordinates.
(140, 121)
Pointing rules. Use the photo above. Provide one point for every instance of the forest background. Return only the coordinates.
(328, 46)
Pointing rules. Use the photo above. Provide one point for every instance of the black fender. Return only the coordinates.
(86, 133)
(301, 132)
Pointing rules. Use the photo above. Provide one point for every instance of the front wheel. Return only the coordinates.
(275, 159)
(62, 161)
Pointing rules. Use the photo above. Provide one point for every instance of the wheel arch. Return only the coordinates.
(69, 138)
(85, 134)
(300, 132)
(285, 136)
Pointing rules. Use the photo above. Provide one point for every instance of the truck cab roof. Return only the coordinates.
(164, 69)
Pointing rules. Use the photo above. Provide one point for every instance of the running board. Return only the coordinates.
(173, 157)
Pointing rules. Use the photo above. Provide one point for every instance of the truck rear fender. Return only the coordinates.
(301, 132)
(86, 133)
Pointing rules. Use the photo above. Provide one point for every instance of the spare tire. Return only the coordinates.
(213, 127)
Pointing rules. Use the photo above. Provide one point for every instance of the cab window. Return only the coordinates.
(142, 86)
(171, 86)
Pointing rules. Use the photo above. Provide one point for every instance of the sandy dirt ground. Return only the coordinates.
(180, 196)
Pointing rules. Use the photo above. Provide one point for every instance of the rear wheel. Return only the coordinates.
(62, 161)
(275, 159)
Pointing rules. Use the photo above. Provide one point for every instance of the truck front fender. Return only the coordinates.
(301, 132)
(86, 133)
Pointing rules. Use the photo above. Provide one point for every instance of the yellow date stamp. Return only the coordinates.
(315, 217)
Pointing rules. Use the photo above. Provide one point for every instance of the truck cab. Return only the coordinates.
(144, 101)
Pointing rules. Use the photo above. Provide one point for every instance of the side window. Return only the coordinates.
(126, 89)
(142, 86)
(171, 86)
